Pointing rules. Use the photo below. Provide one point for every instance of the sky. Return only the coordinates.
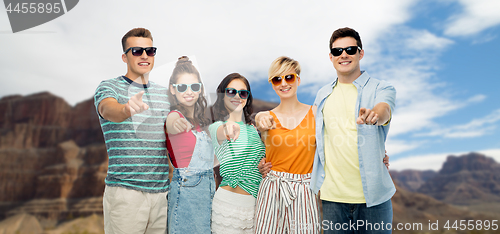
(439, 54)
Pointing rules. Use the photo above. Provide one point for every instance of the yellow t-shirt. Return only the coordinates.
(342, 178)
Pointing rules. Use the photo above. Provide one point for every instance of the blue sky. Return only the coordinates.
(440, 55)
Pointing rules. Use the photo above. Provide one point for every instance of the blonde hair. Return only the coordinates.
(282, 64)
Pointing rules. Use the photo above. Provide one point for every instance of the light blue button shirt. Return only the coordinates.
(377, 183)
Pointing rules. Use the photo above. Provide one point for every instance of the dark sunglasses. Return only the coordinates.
(137, 51)
(351, 50)
(181, 88)
(290, 78)
(230, 92)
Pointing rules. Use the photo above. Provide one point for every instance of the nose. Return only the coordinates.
(344, 53)
(283, 81)
(144, 54)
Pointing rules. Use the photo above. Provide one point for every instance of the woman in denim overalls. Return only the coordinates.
(191, 153)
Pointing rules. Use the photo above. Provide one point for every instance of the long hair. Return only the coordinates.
(219, 109)
(185, 66)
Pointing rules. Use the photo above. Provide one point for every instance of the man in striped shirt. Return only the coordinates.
(132, 112)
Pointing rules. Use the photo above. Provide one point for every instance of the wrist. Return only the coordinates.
(126, 111)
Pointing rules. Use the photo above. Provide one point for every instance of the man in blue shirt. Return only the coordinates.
(354, 113)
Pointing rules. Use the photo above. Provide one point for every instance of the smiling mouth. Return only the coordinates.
(236, 103)
(286, 90)
(345, 63)
(144, 64)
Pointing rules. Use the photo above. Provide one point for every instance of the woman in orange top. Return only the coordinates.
(285, 203)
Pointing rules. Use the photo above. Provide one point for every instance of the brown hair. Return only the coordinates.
(185, 66)
(136, 32)
(345, 32)
(219, 109)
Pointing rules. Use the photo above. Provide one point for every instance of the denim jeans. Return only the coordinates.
(356, 218)
(190, 202)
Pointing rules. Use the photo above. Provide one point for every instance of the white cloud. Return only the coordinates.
(395, 146)
(475, 128)
(434, 161)
(425, 40)
(411, 68)
(476, 16)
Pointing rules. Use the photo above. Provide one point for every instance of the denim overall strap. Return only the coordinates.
(203, 153)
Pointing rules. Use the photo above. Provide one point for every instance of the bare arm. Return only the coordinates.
(175, 124)
(383, 111)
(110, 109)
(228, 131)
(264, 121)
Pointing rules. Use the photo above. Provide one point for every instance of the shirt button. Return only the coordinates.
(185, 180)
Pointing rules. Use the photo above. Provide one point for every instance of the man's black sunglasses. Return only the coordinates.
(351, 50)
(137, 51)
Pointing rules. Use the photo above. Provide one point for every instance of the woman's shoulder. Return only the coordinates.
(175, 113)
(216, 123)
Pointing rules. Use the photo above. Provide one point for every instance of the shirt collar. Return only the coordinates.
(358, 82)
(362, 79)
(131, 82)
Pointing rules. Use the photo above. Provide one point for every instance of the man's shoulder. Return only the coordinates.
(327, 87)
(324, 90)
(379, 83)
(112, 81)
(155, 85)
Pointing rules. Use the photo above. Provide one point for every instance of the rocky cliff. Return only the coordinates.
(465, 180)
(412, 180)
(52, 156)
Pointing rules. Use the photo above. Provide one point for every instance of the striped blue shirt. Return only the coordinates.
(136, 147)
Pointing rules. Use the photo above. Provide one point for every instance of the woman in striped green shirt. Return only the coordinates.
(239, 149)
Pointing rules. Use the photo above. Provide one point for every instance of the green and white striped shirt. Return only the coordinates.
(136, 147)
(239, 159)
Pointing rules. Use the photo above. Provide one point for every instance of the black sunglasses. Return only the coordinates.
(351, 50)
(137, 51)
(181, 88)
(230, 92)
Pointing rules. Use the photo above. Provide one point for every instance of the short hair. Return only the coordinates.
(282, 64)
(136, 32)
(185, 66)
(219, 109)
(345, 32)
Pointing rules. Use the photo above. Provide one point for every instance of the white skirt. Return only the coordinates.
(232, 212)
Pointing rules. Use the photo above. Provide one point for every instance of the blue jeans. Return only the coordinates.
(190, 202)
(356, 218)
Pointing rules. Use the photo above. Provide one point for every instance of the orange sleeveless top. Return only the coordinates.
(292, 150)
